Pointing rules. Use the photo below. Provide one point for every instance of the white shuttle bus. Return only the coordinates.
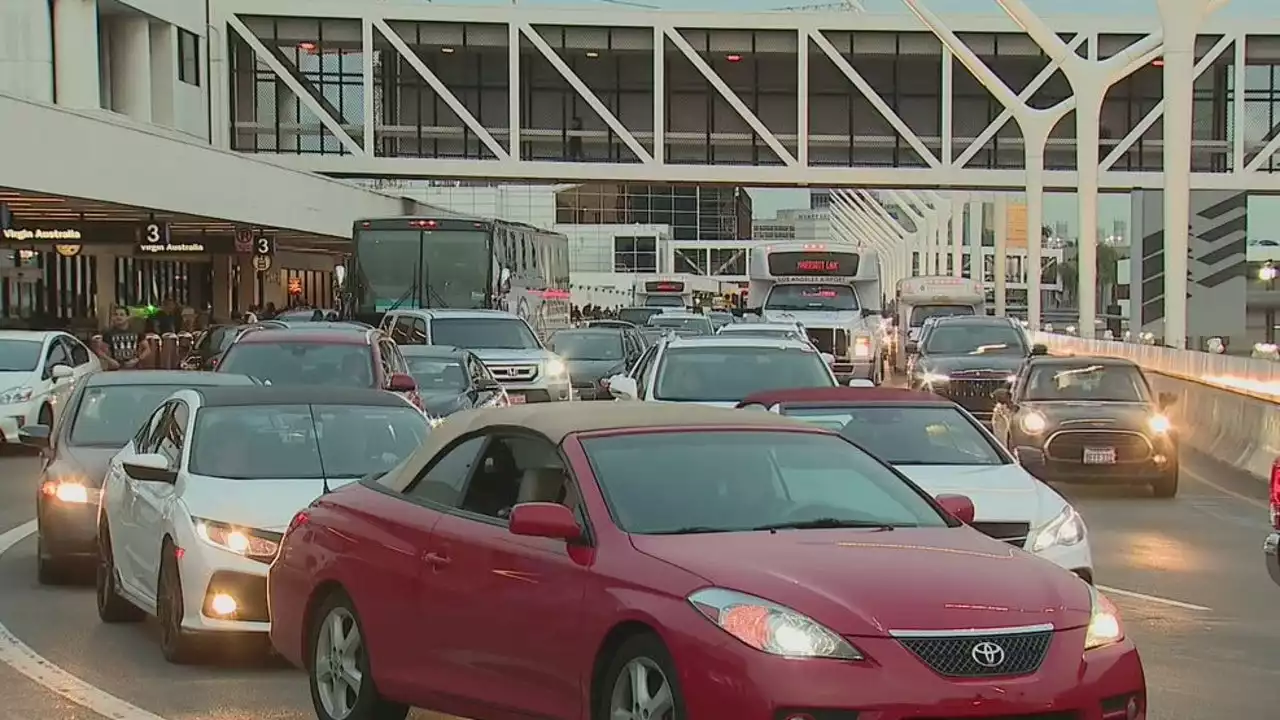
(921, 298)
(664, 293)
(833, 290)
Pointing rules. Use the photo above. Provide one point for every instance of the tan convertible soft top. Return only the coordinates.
(557, 420)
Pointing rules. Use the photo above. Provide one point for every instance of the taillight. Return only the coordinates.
(1275, 494)
(302, 518)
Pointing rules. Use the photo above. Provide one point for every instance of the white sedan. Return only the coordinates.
(194, 507)
(38, 372)
(945, 450)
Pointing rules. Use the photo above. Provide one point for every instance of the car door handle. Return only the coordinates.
(436, 560)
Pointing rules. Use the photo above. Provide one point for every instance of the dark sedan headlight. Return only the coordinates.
(70, 491)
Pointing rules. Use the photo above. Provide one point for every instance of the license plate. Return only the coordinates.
(515, 398)
(1099, 456)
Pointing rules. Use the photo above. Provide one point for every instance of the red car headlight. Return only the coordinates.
(770, 627)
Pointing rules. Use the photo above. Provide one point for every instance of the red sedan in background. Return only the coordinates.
(644, 561)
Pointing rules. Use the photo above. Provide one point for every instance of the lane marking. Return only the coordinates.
(1225, 491)
(19, 656)
(1153, 599)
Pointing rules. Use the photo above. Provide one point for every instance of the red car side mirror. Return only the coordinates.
(402, 383)
(548, 520)
(959, 506)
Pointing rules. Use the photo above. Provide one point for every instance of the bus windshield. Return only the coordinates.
(416, 268)
(818, 296)
(664, 301)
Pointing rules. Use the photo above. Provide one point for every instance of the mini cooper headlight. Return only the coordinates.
(1033, 423)
(769, 627)
(1159, 424)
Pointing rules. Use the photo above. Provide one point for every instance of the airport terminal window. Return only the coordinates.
(635, 254)
(188, 57)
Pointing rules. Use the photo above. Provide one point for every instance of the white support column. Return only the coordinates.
(921, 236)
(1181, 20)
(999, 259)
(164, 49)
(131, 66)
(1035, 145)
(976, 208)
(1088, 116)
(957, 234)
(75, 52)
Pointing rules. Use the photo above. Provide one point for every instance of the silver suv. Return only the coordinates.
(503, 341)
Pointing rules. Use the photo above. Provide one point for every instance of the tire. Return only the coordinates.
(177, 645)
(1167, 486)
(332, 695)
(616, 692)
(51, 571)
(112, 607)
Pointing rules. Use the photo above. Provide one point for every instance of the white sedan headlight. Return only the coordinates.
(1104, 622)
(1065, 530)
(240, 541)
(769, 627)
(1033, 423)
(554, 368)
(16, 395)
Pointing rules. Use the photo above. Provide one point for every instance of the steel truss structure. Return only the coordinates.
(780, 139)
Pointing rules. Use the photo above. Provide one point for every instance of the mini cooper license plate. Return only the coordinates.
(1100, 456)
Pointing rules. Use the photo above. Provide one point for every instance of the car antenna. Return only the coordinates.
(315, 429)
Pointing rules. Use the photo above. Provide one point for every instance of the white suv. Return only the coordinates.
(504, 343)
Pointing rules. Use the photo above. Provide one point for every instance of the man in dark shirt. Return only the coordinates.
(120, 346)
(169, 317)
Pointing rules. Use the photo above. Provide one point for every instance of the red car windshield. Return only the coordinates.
(719, 481)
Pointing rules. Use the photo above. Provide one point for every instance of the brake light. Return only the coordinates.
(302, 518)
(1275, 494)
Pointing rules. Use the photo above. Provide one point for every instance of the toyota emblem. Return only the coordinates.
(987, 654)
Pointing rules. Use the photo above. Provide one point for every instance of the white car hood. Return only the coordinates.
(14, 380)
(1000, 493)
(257, 504)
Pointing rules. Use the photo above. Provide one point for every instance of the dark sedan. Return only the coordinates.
(452, 379)
(102, 415)
(1083, 419)
(966, 359)
(593, 355)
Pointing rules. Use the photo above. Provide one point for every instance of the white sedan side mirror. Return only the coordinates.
(61, 372)
(828, 358)
(622, 387)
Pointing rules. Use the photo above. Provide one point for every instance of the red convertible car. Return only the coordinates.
(602, 561)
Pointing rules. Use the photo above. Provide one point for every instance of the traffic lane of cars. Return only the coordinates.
(1199, 663)
(1200, 548)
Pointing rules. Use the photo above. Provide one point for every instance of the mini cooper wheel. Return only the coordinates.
(342, 686)
(640, 684)
(178, 645)
(1167, 486)
(112, 607)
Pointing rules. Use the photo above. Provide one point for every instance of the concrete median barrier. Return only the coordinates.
(1235, 429)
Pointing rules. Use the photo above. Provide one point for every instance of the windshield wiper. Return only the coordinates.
(824, 524)
(691, 530)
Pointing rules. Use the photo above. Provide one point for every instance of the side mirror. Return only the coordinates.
(36, 436)
(886, 313)
(1164, 400)
(1039, 350)
(622, 387)
(1002, 397)
(547, 520)
(150, 467)
(737, 312)
(861, 383)
(402, 383)
(61, 372)
(489, 385)
(912, 347)
(828, 358)
(867, 312)
(959, 507)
